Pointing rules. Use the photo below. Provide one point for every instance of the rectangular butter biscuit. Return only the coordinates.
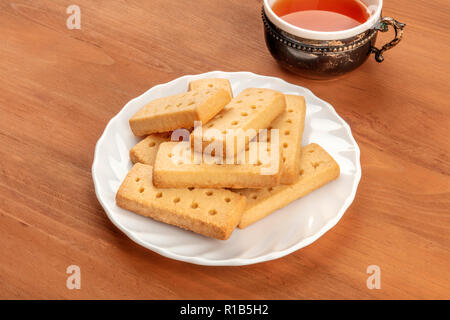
(290, 124)
(175, 167)
(179, 111)
(317, 169)
(145, 150)
(210, 212)
(211, 83)
(252, 109)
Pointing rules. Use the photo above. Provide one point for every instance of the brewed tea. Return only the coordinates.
(322, 15)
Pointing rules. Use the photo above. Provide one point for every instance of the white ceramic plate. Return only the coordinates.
(287, 230)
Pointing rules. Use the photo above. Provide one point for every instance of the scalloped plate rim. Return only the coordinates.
(234, 261)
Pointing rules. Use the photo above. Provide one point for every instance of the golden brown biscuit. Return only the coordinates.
(290, 125)
(145, 151)
(212, 83)
(317, 169)
(179, 111)
(175, 167)
(211, 212)
(252, 109)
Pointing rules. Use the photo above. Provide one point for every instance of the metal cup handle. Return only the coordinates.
(383, 26)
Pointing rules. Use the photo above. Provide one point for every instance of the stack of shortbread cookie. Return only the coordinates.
(212, 183)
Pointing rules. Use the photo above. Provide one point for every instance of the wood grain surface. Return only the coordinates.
(60, 87)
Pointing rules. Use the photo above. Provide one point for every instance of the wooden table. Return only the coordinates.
(60, 87)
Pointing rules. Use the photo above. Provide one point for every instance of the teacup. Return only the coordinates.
(323, 55)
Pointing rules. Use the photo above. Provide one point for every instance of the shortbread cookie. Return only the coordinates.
(176, 167)
(252, 109)
(290, 125)
(213, 213)
(317, 169)
(145, 150)
(179, 111)
(216, 83)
